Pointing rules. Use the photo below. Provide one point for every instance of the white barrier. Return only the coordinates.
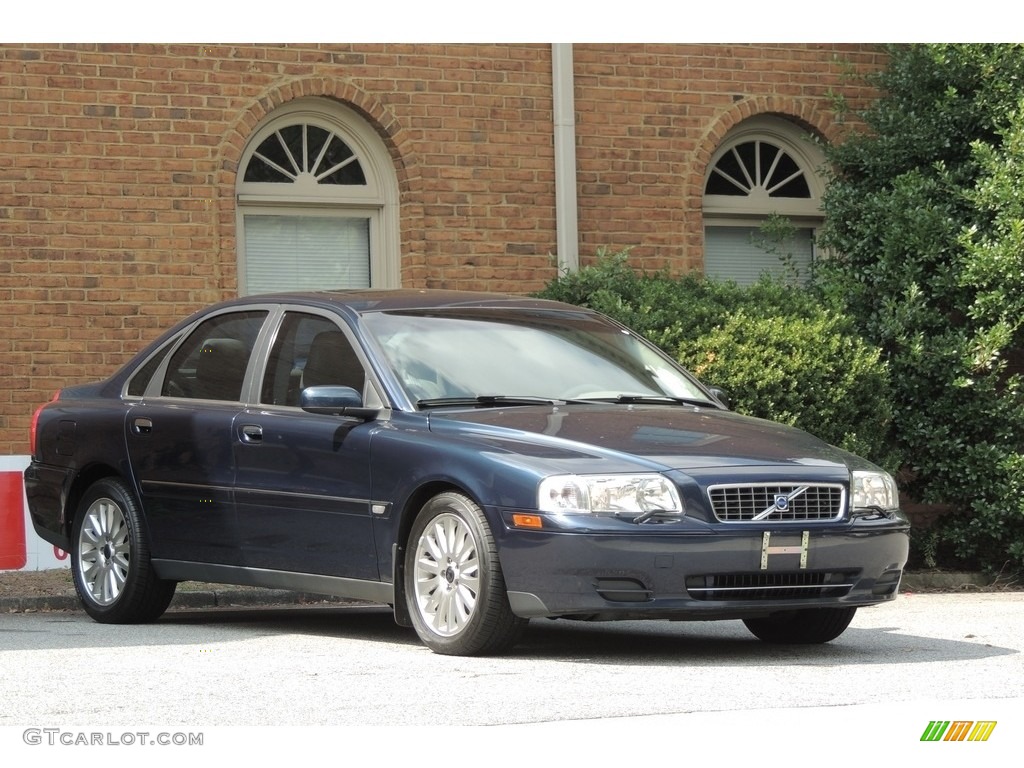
(20, 548)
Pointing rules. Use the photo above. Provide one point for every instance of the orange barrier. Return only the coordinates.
(13, 555)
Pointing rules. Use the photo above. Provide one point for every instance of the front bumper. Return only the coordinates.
(730, 572)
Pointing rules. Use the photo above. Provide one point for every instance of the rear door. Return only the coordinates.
(180, 440)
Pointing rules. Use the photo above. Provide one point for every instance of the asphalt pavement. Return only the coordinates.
(259, 683)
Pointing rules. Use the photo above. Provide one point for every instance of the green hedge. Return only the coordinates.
(807, 372)
(774, 348)
(924, 216)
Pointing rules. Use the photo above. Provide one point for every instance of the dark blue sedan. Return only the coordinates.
(473, 460)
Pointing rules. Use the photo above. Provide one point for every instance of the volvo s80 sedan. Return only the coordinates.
(473, 460)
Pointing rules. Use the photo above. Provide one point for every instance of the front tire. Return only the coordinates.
(454, 587)
(110, 558)
(807, 627)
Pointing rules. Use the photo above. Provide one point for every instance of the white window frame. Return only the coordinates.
(377, 200)
(792, 141)
(753, 209)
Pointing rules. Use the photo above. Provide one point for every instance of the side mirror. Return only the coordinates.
(336, 401)
(721, 396)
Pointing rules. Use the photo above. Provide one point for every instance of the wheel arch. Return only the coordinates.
(88, 476)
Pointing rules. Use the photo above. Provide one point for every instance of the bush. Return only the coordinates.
(806, 372)
(926, 217)
(673, 310)
(777, 351)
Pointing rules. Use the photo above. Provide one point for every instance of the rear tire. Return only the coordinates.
(110, 558)
(805, 627)
(454, 587)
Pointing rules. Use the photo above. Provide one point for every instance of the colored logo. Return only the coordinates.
(958, 730)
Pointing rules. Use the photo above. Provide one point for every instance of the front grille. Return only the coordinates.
(771, 586)
(784, 503)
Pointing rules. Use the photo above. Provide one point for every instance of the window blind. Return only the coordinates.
(731, 253)
(298, 253)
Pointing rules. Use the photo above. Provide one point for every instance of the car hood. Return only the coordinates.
(670, 437)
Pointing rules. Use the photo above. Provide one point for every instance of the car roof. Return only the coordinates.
(383, 300)
(351, 303)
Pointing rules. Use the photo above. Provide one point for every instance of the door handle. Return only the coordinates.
(252, 433)
(142, 426)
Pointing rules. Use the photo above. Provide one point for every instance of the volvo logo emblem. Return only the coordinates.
(783, 503)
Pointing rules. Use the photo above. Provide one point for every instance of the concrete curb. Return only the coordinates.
(949, 582)
(183, 600)
(47, 603)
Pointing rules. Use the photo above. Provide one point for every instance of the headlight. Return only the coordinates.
(608, 494)
(874, 490)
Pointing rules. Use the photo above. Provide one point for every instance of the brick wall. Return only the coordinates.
(118, 162)
(649, 118)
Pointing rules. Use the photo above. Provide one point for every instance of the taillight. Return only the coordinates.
(35, 423)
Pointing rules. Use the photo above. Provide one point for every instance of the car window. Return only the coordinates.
(309, 351)
(139, 381)
(544, 354)
(211, 363)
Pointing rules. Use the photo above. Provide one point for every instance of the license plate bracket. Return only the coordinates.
(784, 549)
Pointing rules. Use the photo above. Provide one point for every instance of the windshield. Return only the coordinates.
(480, 353)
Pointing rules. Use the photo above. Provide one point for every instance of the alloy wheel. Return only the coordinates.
(104, 551)
(447, 575)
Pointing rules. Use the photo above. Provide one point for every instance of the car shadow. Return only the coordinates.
(357, 621)
(639, 642)
(729, 643)
(708, 643)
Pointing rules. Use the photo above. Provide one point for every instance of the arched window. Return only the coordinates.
(317, 203)
(762, 203)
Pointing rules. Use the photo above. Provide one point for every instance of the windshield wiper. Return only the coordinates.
(653, 400)
(486, 401)
(492, 401)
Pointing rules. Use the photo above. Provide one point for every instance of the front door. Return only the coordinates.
(303, 480)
